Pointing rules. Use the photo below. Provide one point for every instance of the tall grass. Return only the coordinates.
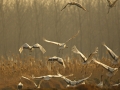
(11, 70)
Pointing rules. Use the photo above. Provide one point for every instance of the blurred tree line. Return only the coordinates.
(28, 21)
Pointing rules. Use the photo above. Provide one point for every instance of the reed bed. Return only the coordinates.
(11, 70)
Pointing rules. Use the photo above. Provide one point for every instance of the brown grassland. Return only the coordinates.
(11, 70)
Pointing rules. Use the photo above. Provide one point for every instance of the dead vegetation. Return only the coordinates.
(11, 70)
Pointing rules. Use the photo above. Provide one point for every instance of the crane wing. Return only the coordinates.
(51, 41)
(109, 2)
(75, 50)
(92, 54)
(61, 61)
(80, 81)
(39, 46)
(21, 49)
(65, 6)
(62, 75)
(112, 54)
(54, 58)
(68, 81)
(26, 46)
(55, 76)
(29, 80)
(33, 77)
(114, 2)
(73, 37)
(105, 66)
(79, 5)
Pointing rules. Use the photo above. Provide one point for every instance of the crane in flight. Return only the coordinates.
(86, 60)
(74, 82)
(111, 4)
(111, 71)
(58, 59)
(74, 3)
(48, 77)
(31, 48)
(61, 45)
(115, 57)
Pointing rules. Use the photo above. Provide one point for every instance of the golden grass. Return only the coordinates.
(12, 70)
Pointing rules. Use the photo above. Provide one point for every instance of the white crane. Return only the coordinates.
(58, 59)
(111, 4)
(19, 86)
(61, 45)
(26, 46)
(85, 60)
(74, 3)
(111, 71)
(115, 57)
(101, 82)
(48, 77)
(74, 83)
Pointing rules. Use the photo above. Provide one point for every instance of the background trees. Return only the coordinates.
(30, 20)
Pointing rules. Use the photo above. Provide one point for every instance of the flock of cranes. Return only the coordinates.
(111, 71)
(26, 46)
(110, 5)
(69, 82)
(54, 58)
(74, 3)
